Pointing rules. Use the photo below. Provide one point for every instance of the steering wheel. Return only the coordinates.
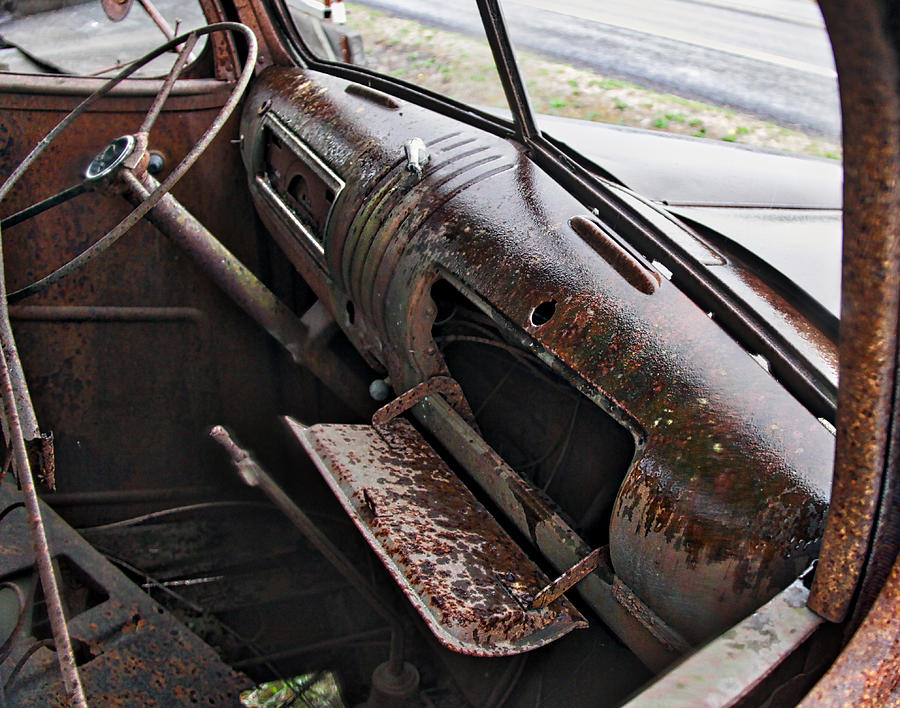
(124, 161)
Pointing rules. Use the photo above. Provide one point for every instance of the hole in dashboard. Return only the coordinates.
(541, 314)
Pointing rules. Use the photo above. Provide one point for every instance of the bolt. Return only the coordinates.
(380, 389)
(156, 164)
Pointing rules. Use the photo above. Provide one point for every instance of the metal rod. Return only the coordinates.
(176, 174)
(44, 562)
(7, 645)
(158, 19)
(247, 291)
(255, 476)
(42, 206)
(569, 579)
(232, 276)
(27, 418)
(166, 89)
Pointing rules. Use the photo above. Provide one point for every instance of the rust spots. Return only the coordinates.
(725, 500)
(465, 576)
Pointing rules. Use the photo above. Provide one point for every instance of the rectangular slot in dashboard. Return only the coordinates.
(296, 182)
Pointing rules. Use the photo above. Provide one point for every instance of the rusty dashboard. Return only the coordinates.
(707, 480)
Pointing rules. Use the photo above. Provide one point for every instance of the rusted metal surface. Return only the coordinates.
(648, 619)
(638, 274)
(272, 49)
(225, 55)
(731, 666)
(129, 650)
(464, 575)
(46, 457)
(867, 672)
(242, 286)
(15, 439)
(720, 442)
(49, 87)
(93, 313)
(97, 382)
(867, 60)
(117, 10)
(534, 515)
(165, 89)
(106, 241)
(444, 385)
(569, 579)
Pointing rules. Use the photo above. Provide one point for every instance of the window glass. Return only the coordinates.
(757, 72)
(79, 39)
(438, 46)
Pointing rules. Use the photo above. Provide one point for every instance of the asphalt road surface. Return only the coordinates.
(771, 58)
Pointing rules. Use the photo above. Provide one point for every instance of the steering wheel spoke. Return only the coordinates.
(45, 204)
(166, 89)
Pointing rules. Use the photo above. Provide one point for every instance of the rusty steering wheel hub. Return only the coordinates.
(108, 160)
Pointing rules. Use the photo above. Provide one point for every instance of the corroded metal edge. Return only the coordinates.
(729, 667)
(568, 618)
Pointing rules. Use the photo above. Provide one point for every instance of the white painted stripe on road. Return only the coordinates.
(816, 22)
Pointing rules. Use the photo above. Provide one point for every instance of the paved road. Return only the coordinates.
(768, 57)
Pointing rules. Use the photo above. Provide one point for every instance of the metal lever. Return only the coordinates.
(570, 578)
(417, 156)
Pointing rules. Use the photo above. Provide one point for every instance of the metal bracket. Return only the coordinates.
(448, 387)
(570, 578)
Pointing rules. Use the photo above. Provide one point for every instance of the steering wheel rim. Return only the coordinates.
(139, 154)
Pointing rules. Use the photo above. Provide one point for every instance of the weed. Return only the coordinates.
(607, 83)
(459, 66)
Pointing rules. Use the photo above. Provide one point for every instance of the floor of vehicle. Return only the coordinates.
(239, 576)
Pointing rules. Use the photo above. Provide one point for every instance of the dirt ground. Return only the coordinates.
(462, 67)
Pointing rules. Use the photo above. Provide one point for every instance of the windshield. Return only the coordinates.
(754, 72)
